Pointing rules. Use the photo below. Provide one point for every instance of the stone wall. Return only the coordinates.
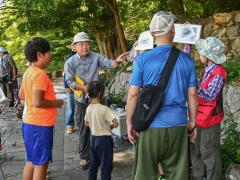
(231, 94)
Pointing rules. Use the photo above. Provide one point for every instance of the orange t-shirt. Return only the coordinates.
(36, 78)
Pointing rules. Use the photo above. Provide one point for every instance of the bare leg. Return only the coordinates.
(40, 171)
(28, 171)
(160, 168)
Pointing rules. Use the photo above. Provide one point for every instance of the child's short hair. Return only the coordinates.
(94, 88)
(33, 46)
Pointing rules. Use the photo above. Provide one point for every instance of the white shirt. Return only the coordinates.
(99, 118)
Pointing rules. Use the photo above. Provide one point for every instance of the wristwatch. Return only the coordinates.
(118, 62)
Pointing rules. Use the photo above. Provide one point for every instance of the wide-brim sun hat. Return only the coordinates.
(2, 49)
(162, 22)
(82, 36)
(212, 48)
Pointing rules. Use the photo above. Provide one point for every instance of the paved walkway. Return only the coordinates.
(66, 160)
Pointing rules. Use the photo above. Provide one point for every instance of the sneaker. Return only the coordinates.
(11, 104)
(70, 130)
(84, 164)
(162, 177)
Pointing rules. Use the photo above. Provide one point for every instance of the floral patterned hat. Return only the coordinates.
(212, 48)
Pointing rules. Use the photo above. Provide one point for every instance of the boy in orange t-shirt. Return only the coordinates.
(37, 127)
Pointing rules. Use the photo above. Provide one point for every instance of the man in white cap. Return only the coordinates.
(6, 75)
(166, 139)
(85, 65)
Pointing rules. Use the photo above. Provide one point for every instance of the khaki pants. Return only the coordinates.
(169, 146)
(207, 153)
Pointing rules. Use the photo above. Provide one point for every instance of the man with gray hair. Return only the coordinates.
(85, 65)
(166, 139)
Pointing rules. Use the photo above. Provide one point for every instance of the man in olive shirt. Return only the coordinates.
(6, 62)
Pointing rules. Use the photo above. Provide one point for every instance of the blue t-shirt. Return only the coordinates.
(148, 68)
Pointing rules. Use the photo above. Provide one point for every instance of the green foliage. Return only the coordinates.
(211, 7)
(194, 8)
(199, 68)
(117, 97)
(58, 21)
(232, 67)
(136, 16)
(230, 147)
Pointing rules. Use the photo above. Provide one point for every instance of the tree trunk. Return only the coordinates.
(107, 38)
(113, 6)
(177, 7)
(179, 10)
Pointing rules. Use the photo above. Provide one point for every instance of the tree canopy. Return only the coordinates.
(113, 24)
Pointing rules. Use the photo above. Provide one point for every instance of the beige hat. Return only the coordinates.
(82, 36)
(163, 22)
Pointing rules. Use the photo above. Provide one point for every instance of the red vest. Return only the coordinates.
(211, 113)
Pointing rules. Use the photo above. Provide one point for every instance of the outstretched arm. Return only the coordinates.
(120, 59)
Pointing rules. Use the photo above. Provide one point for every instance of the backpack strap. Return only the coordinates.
(167, 71)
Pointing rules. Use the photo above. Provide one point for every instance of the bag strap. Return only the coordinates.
(167, 71)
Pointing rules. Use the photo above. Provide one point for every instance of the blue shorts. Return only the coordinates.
(38, 142)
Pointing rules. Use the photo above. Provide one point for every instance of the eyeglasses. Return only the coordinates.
(82, 44)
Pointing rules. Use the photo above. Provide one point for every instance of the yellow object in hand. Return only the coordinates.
(79, 81)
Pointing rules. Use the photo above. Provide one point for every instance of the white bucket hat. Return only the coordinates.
(2, 49)
(163, 22)
(212, 48)
(82, 36)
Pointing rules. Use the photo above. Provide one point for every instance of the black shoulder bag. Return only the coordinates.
(151, 97)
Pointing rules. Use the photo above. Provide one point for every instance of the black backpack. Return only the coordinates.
(151, 97)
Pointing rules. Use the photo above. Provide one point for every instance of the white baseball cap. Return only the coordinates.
(82, 36)
(163, 22)
(2, 49)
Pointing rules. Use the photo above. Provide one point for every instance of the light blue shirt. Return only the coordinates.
(1, 59)
(86, 69)
(148, 68)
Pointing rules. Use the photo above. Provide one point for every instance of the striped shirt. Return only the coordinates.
(214, 87)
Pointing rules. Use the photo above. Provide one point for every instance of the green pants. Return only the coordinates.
(169, 146)
(207, 153)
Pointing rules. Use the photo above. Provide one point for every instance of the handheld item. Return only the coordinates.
(79, 81)
(2, 96)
